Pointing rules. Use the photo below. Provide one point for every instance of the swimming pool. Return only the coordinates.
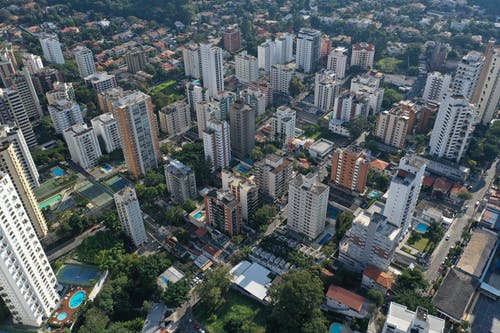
(77, 299)
(107, 167)
(198, 215)
(164, 279)
(336, 328)
(57, 171)
(332, 212)
(62, 316)
(242, 168)
(50, 201)
(374, 194)
(422, 227)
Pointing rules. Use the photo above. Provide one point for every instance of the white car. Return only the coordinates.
(447, 237)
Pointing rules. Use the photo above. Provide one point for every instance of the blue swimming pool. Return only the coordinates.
(77, 299)
(422, 227)
(107, 167)
(336, 328)
(326, 238)
(62, 316)
(164, 279)
(198, 215)
(374, 194)
(57, 172)
(332, 212)
(242, 168)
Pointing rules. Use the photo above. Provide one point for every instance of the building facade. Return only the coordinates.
(436, 86)
(362, 55)
(130, 215)
(350, 168)
(281, 75)
(223, 211)
(85, 61)
(65, 114)
(486, 96)
(244, 190)
(326, 88)
(136, 60)
(467, 74)
(308, 49)
(273, 174)
(246, 67)
(212, 68)
(181, 182)
(337, 62)
(32, 62)
(232, 39)
(217, 143)
(101, 81)
(283, 125)
(51, 48)
(83, 145)
(395, 124)
(175, 118)
(106, 127)
(242, 123)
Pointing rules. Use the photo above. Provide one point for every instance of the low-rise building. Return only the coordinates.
(400, 319)
(252, 280)
(374, 278)
(346, 302)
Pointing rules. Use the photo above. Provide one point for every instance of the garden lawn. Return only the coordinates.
(245, 310)
(162, 86)
(421, 244)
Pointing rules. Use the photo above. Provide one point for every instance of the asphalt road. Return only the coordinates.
(458, 226)
(74, 243)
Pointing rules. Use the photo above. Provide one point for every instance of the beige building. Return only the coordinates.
(395, 124)
(175, 118)
(363, 55)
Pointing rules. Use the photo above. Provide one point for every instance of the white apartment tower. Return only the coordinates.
(337, 62)
(453, 128)
(400, 319)
(83, 145)
(85, 61)
(130, 215)
(436, 86)
(403, 192)
(191, 57)
(181, 181)
(51, 48)
(204, 112)
(255, 98)
(65, 114)
(281, 75)
(246, 67)
(24, 85)
(467, 75)
(308, 49)
(487, 93)
(32, 62)
(266, 55)
(349, 105)
(273, 175)
(175, 118)
(212, 69)
(283, 122)
(363, 55)
(284, 48)
(217, 143)
(62, 90)
(307, 204)
(195, 93)
(326, 88)
(29, 285)
(244, 190)
(12, 110)
(13, 135)
(106, 127)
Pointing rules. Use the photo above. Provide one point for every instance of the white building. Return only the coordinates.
(403, 192)
(284, 48)
(307, 204)
(308, 49)
(400, 319)
(255, 98)
(283, 124)
(244, 190)
(326, 88)
(281, 75)
(266, 55)
(217, 143)
(349, 105)
(64, 114)
(130, 215)
(85, 61)
(62, 90)
(467, 75)
(212, 69)
(195, 93)
(246, 67)
(29, 286)
(204, 112)
(101, 81)
(337, 62)
(370, 85)
(32, 62)
(192, 64)
(51, 48)
(453, 128)
(13, 110)
(11, 134)
(106, 127)
(83, 145)
(181, 182)
(23, 84)
(175, 118)
(436, 86)
(487, 92)
(362, 55)
(273, 175)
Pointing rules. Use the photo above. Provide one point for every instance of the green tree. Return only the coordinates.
(182, 236)
(411, 279)
(256, 154)
(391, 96)
(376, 296)
(464, 194)
(175, 215)
(435, 232)
(263, 215)
(189, 205)
(176, 293)
(94, 321)
(343, 223)
(213, 289)
(296, 86)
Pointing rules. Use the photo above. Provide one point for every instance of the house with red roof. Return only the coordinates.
(346, 302)
(441, 187)
(374, 278)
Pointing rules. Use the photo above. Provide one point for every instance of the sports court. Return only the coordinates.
(78, 274)
(116, 183)
(96, 194)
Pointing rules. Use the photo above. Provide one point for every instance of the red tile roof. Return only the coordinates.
(428, 181)
(363, 46)
(441, 184)
(346, 297)
(379, 164)
(382, 278)
(200, 232)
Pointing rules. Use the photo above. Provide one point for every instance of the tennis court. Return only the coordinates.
(116, 183)
(95, 193)
(78, 275)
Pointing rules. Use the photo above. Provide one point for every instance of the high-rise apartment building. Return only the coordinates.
(349, 105)
(255, 98)
(217, 143)
(13, 135)
(22, 83)
(107, 97)
(106, 127)
(45, 78)
(223, 211)
(232, 39)
(101, 81)
(206, 111)
(65, 114)
(8, 65)
(32, 62)
(28, 283)
(225, 99)
(453, 128)
(175, 118)
(284, 47)
(136, 60)
(12, 165)
(51, 48)
(307, 204)
(487, 94)
(212, 68)
(12, 111)
(308, 49)
(266, 55)
(436, 86)
(191, 58)
(130, 215)
(370, 85)
(362, 55)
(138, 132)
(246, 67)
(244, 190)
(273, 174)
(395, 124)
(85, 61)
(242, 122)
(283, 125)
(281, 75)
(62, 90)
(83, 145)
(326, 88)
(467, 75)
(350, 168)
(337, 62)
(403, 192)
(181, 182)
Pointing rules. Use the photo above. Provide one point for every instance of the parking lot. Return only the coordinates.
(486, 315)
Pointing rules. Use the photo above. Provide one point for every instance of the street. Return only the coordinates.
(458, 226)
(72, 244)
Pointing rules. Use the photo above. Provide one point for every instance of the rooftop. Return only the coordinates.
(346, 297)
(477, 252)
(382, 278)
(403, 318)
(252, 277)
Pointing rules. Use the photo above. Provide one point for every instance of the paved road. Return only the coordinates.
(72, 244)
(458, 225)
